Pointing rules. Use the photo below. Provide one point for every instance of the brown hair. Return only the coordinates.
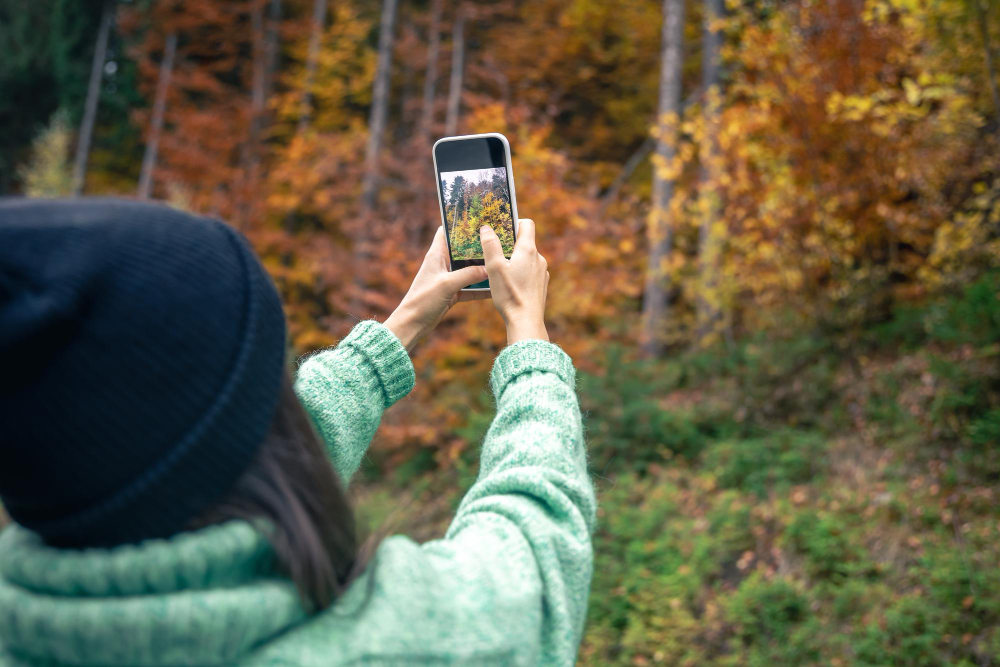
(292, 484)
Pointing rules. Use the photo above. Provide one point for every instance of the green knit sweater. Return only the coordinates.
(507, 584)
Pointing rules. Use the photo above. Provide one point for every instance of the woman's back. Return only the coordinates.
(506, 585)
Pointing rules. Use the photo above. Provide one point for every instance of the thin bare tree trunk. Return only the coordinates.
(380, 106)
(265, 63)
(988, 56)
(93, 96)
(407, 125)
(315, 40)
(259, 81)
(430, 77)
(376, 132)
(708, 302)
(156, 123)
(272, 46)
(657, 290)
(457, 65)
(258, 96)
(427, 120)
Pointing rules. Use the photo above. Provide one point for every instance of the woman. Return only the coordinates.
(172, 488)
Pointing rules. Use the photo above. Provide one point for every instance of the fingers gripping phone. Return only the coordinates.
(475, 188)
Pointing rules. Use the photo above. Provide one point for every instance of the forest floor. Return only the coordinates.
(786, 503)
(783, 502)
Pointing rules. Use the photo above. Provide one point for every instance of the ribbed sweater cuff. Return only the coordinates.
(387, 356)
(526, 356)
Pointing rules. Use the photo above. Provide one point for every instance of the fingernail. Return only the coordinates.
(483, 228)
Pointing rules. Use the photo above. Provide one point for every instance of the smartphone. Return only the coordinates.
(475, 188)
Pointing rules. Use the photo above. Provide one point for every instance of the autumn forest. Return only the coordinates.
(773, 234)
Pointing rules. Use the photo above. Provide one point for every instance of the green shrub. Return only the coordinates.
(772, 622)
(971, 319)
(728, 535)
(851, 598)
(985, 430)
(962, 587)
(789, 380)
(825, 543)
(883, 409)
(640, 600)
(909, 634)
(965, 411)
(907, 329)
(775, 462)
(955, 599)
(626, 417)
(963, 394)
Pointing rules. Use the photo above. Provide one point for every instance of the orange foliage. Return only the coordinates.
(856, 166)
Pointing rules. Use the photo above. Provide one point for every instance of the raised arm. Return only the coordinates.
(509, 582)
(529, 517)
(523, 532)
(345, 390)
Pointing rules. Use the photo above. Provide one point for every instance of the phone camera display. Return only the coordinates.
(473, 198)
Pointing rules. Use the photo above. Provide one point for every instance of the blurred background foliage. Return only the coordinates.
(772, 229)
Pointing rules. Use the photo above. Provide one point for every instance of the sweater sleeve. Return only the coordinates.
(345, 389)
(530, 514)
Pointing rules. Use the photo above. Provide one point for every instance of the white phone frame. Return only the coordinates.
(510, 183)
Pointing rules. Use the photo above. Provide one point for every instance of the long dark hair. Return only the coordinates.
(292, 484)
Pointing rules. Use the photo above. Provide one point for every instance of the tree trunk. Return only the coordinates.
(376, 131)
(657, 289)
(988, 56)
(93, 96)
(422, 221)
(457, 65)
(380, 106)
(272, 46)
(315, 40)
(156, 123)
(258, 91)
(430, 78)
(709, 308)
(258, 98)
(265, 64)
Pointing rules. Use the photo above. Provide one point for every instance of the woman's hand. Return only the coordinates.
(518, 284)
(434, 291)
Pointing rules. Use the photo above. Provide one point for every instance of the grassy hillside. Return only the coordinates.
(788, 501)
(784, 501)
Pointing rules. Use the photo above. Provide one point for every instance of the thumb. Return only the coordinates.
(470, 275)
(492, 250)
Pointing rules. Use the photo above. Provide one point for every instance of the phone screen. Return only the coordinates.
(475, 191)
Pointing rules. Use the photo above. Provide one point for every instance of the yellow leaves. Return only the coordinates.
(666, 125)
(47, 174)
(912, 91)
(838, 139)
(766, 251)
(671, 170)
(963, 242)
(490, 117)
(852, 107)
